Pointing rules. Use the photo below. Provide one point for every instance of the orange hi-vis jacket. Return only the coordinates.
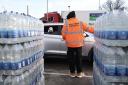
(72, 32)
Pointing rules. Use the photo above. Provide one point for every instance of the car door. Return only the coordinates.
(52, 40)
(63, 47)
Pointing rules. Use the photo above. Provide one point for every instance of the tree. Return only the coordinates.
(110, 5)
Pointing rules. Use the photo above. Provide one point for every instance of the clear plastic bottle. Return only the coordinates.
(8, 58)
(1, 57)
(12, 25)
(126, 61)
(26, 25)
(32, 25)
(17, 51)
(29, 53)
(113, 30)
(20, 25)
(108, 60)
(26, 53)
(120, 61)
(3, 25)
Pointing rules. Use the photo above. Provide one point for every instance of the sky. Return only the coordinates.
(37, 8)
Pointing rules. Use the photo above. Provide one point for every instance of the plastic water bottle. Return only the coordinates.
(114, 29)
(25, 48)
(120, 58)
(13, 32)
(127, 62)
(14, 56)
(17, 51)
(3, 25)
(30, 52)
(108, 60)
(29, 26)
(97, 57)
(101, 79)
(97, 76)
(32, 26)
(20, 25)
(1, 57)
(26, 25)
(8, 58)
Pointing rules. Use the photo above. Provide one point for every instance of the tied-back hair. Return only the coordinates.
(71, 15)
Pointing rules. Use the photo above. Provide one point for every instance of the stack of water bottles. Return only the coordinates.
(111, 49)
(21, 49)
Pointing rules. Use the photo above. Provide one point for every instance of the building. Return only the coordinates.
(53, 17)
(86, 16)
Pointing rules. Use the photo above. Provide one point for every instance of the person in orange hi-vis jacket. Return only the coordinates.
(72, 33)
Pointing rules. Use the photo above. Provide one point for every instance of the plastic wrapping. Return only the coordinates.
(111, 29)
(21, 49)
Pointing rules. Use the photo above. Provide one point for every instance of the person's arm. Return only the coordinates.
(91, 29)
(87, 28)
(84, 26)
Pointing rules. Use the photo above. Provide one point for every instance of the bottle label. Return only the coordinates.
(37, 56)
(17, 65)
(127, 71)
(30, 59)
(110, 70)
(6, 66)
(1, 65)
(14, 66)
(33, 58)
(122, 35)
(3, 34)
(26, 62)
(21, 33)
(13, 34)
(25, 33)
(112, 35)
(23, 63)
(121, 71)
(32, 33)
(29, 33)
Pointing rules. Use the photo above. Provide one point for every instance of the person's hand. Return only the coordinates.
(63, 38)
(91, 29)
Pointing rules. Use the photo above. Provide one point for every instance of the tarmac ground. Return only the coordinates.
(56, 72)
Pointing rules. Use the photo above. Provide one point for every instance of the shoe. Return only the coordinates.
(72, 75)
(80, 75)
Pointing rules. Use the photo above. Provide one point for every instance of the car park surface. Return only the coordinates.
(56, 73)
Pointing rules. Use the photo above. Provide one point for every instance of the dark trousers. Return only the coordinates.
(75, 59)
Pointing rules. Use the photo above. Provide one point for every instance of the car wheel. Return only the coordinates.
(90, 56)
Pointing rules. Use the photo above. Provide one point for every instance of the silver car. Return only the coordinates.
(54, 44)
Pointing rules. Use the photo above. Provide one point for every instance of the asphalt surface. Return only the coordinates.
(56, 73)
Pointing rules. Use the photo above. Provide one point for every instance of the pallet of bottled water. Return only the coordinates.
(16, 58)
(21, 49)
(18, 28)
(99, 78)
(112, 29)
(29, 77)
(111, 63)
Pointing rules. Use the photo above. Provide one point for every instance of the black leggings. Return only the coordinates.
(75, 59)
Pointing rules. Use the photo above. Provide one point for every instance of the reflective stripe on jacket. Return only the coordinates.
(72, 32)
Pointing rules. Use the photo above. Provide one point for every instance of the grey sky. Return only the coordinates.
(38, 7)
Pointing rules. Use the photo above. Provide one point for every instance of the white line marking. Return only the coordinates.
(62, 74)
